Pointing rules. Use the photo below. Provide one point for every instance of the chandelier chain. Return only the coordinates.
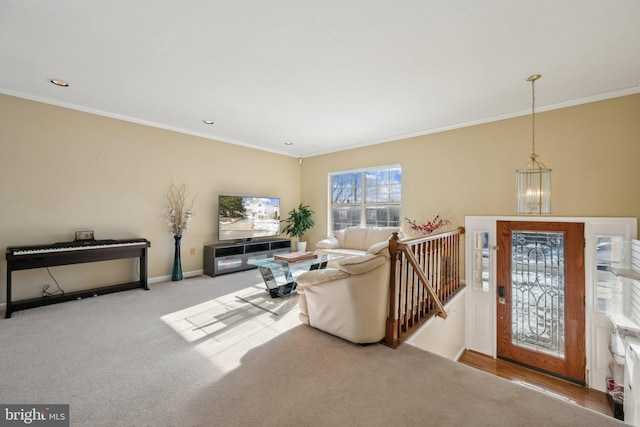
(533, 118)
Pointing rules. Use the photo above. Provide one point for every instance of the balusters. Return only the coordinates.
(424, 275)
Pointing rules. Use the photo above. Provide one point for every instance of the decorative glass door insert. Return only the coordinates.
(538, 291)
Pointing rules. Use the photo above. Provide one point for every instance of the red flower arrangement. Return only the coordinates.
(429, 226)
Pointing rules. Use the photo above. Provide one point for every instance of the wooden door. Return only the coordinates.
(541, 296)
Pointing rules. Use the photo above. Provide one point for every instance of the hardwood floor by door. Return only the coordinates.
(583, 396)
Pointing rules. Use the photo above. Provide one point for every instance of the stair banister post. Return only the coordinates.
(391, 337)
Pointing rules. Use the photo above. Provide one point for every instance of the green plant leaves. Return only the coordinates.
(299, 221)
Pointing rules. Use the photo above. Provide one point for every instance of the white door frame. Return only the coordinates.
(481, 325)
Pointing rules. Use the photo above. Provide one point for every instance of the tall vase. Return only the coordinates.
(176, 274)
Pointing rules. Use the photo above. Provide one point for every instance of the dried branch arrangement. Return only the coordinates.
(178, 214)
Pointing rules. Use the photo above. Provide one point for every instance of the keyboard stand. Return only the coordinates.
(40, 260)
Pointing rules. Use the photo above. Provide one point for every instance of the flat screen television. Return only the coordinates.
(247, 218)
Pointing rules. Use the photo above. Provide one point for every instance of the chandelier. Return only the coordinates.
(534, 178)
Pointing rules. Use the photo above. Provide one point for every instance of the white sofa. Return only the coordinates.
(356, 241)
(350, 298)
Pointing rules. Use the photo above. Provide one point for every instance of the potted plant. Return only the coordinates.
(298, 222)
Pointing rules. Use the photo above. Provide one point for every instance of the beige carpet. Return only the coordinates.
(191, 354)
(231, 312)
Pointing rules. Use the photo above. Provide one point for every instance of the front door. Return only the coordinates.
(541, 296)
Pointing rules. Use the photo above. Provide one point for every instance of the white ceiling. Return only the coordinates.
(322, 75)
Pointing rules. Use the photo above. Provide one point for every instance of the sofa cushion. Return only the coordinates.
(357, 240)
(377, 234)
(361, 264)
(362, 238)
(354, 238)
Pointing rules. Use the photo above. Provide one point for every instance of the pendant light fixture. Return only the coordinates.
(534, 178)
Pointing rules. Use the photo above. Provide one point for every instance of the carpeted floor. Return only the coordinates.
(191, 353)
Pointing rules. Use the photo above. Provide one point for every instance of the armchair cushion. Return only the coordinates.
(317, 277)
(361, 264)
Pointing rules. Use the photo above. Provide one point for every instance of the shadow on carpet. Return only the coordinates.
(307, 377)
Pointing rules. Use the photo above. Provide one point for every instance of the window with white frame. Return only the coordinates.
(368, 197)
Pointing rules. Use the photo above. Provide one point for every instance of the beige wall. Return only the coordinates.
(593, 150)
(62, 170)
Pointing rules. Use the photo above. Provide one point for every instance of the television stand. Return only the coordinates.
(224, 258)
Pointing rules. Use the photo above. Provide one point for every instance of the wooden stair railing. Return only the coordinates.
(425, 274)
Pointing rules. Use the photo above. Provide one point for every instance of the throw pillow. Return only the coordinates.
(328, 243)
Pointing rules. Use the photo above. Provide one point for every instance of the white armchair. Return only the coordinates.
(350, 298)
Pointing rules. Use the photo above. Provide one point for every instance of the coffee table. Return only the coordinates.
(279, 275)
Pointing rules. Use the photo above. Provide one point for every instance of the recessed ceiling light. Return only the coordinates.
(60, 83)
(288, 143)
(207, 122)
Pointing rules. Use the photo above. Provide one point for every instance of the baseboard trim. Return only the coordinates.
(185, 275)
(151, 281)
(460, 353)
